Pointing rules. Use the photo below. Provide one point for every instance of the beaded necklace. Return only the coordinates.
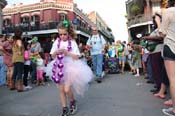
(58, 64)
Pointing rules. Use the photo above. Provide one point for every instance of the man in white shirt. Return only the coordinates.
(97, 44)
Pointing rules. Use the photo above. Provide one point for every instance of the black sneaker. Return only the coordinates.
(73, 107)
(99, 80)
(65, 111)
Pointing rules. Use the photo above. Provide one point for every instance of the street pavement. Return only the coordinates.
(117, 95)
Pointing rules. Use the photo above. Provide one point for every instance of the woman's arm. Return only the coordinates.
(116, 53)
(19, 44)
(153, 38)
(2, 49)
(54, 54)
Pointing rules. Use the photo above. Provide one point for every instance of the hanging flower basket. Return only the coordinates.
(135, 8)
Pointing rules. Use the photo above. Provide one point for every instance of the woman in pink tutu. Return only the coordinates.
(68, 72)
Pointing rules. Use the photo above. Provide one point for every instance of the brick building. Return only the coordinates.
(101, 25)
(139, 15)
(41, 19)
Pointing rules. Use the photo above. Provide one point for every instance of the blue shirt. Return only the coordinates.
(97, 42)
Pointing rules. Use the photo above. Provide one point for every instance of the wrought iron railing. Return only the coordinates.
(36, 26)
(138, 19)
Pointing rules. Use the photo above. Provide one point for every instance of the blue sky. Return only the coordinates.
(112, 11)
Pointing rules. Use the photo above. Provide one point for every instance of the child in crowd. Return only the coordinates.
(68, 71)
(130, 59)
(137, 58)
(120, 54)
(27, 63)
(40, 69)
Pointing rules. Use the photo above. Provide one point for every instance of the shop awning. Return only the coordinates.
(25, 15)
(35, 13)
(7, 17)
(140, 24)
(51, 31)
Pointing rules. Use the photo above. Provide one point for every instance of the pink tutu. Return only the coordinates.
(76, 73)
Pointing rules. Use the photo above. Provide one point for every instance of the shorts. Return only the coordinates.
(145, 57)
(168, 54)
(122, 58)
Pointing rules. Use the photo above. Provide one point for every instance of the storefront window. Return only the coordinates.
(63, 17)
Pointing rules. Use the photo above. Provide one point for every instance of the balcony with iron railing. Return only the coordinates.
(37, 26)
(33, 26)
(83, 29)
(107, 34)
(141, 18)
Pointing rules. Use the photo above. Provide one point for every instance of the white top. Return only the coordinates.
(146, 51)
(159, 47)
(40, 64)
(168, 27)
(28, 62)
(63, 45)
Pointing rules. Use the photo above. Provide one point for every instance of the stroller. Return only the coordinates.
(111, 62)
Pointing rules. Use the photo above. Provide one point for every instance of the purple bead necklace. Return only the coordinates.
(58, 64)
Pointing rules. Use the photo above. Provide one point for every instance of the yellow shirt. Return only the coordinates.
(16, 56)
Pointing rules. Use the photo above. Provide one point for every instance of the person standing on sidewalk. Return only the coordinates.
(120, 54)
(18, 61)
(168, 32)
(34, 51)
(27, 63)
(7, 54)
(96, 43)
(2, 65)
